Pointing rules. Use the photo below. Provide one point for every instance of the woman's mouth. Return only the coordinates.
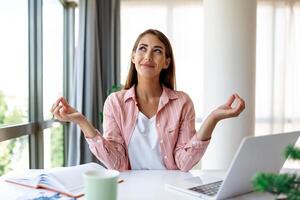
(148, 65)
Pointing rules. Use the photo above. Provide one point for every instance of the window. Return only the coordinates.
(14, 155)
(14, 81)
(53, 19)
(33, 45)
(54, 146)
(277, 67)
(14, 62)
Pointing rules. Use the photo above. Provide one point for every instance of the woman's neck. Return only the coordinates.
(147, 90)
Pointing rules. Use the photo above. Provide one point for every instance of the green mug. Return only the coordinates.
(101, 185)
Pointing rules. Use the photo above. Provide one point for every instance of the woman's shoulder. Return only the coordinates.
(117, 96)
(181, 95)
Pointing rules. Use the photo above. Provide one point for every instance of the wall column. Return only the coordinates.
(230, 42)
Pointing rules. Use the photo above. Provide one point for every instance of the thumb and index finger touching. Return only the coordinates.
(239, 104)
(61, 100)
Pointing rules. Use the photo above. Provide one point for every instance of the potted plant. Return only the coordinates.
(283, 186)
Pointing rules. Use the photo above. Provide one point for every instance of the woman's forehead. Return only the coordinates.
(151, 40)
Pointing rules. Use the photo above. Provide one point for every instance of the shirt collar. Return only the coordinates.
(167, 94)
(130, 94)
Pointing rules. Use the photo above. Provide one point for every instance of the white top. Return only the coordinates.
(143, 149)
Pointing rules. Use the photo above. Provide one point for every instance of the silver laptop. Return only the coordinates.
(255, 154)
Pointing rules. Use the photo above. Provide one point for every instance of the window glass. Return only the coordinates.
(277, 68)
(53, 147)
(76, 26)
(13, 62)
(52, 53)
(14, 155)
(53, 19)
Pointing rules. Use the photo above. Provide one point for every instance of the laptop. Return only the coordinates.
(255, 154)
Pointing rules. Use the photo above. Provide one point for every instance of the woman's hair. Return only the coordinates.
(167, 76)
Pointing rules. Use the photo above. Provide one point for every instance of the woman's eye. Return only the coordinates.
(157, 51)
(142, 48)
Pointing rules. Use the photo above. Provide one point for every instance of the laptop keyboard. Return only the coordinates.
(210, 189)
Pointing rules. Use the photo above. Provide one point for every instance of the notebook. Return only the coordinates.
(65, 180)
(255, 154)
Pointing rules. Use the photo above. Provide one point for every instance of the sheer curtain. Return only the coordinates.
(278, 66)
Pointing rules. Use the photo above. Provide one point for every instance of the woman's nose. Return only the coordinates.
(148, 56)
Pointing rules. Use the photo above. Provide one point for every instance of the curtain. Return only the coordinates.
(96, 69)
(278, 66)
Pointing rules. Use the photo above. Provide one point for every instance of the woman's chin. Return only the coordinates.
(148, 74)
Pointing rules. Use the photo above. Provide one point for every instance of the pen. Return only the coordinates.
(120, 181)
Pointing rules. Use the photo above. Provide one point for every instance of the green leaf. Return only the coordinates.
(292, 152)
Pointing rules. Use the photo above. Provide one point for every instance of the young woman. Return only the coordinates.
(148, 124)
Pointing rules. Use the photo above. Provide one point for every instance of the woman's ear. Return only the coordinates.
(132, 57)
(168, 61)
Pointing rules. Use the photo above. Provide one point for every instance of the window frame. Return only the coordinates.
(36, 125)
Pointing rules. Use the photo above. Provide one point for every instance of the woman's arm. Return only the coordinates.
(191, 146)
(109, 149)
(62, 111)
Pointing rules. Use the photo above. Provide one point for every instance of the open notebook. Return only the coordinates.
(65, 180)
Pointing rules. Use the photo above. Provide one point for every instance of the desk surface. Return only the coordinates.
(137, 185)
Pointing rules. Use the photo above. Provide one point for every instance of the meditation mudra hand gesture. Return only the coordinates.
(149, 106)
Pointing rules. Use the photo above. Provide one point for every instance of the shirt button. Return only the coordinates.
(194, 143)
(98, 141)
(157, 124)
(165, 157)
(161, 141)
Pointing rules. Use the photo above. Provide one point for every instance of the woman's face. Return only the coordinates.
(150, 57)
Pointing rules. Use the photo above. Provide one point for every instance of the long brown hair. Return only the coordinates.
(167, 76)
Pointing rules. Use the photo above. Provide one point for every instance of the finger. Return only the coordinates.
(63, 113)
(64, 102)
(241, 99)
(242, 102)
(56, 111)
(239, 108)
(63, 110)
(55, 104)
(230, 100)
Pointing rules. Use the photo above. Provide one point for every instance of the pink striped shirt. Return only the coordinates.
(175, 124)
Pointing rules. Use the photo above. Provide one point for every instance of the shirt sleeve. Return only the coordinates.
(110, 149)
(189, 149)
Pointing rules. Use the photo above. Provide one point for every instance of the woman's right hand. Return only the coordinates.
(62, 111)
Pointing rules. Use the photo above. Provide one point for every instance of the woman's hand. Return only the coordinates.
(227, 110)
(62, 111)
(222, 112)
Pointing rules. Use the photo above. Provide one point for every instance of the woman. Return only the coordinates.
(148, 124)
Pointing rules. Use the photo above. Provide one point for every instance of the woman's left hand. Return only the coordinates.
(227, 110)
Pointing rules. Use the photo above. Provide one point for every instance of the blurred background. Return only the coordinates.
(42, 45)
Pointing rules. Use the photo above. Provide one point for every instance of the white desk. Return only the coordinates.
(150, 185)
(137, 185)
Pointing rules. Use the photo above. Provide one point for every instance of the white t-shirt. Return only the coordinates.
(143, 149)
